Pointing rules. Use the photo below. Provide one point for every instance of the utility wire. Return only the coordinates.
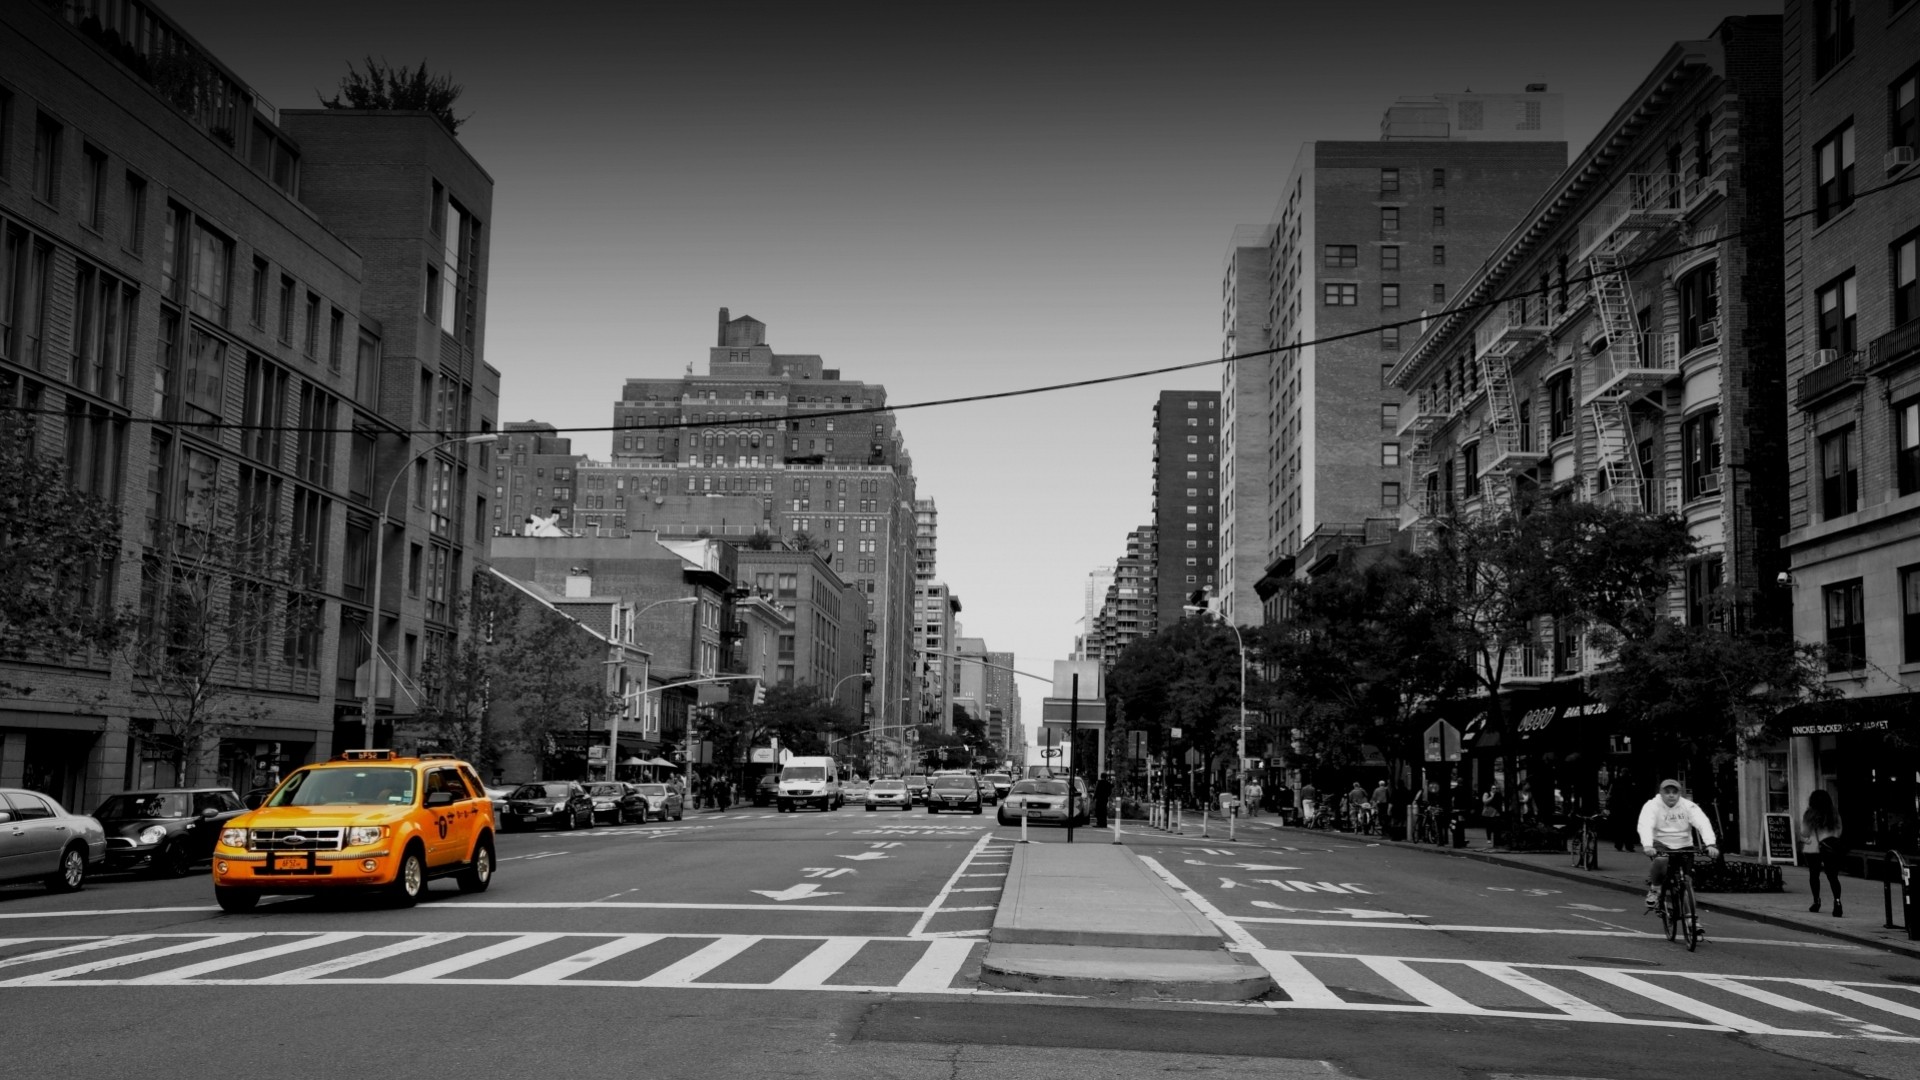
(1078, 384)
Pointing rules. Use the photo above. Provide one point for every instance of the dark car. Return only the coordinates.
(766, 789)
(997, 784)
(561, 803)
(617, 803)
(168, 831)
(917, 787)
(953, 792)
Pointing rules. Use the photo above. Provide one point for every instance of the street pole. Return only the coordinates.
(379, 567)
(1073, 739)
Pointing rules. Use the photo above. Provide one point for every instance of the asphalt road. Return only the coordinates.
(753, 944)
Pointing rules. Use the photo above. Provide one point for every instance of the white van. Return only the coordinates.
(809, 781)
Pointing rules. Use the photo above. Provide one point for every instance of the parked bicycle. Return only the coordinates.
(1586, 841)
(1429, 827)
(1678, 913)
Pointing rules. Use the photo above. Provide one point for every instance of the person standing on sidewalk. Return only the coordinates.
(1667, 822)
(1309, 803)
(1820, 842)
(1253, 798)
(1102, 795)
(722, 794)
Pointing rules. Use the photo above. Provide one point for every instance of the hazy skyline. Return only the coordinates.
(944, 201)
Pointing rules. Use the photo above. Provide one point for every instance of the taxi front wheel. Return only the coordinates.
(411, 881)
(235, 900)
(479, 873)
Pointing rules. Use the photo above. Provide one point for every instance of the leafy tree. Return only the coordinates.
(554, 677)
(56, 543)
(1188, 676)
(457, 680)
(381, 86)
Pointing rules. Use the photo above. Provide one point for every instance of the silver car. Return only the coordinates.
(41, 840)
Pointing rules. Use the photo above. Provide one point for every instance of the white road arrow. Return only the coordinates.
(884, 844)
(827, 871)
(1240, 865)
(1352, 912)
(866, 855)
(1229, 883)
(808, 891)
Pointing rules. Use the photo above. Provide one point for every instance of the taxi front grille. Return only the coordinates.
(296, 839)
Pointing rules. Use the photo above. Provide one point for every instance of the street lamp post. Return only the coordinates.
(379, 560)
(613, 724)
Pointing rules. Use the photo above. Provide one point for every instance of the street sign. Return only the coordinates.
(762, 755)
(911, 735)
(1442, 742)
(1173, 733)
(596, 752)
(1252, 763)
(1050, 752)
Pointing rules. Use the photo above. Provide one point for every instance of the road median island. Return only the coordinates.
(1094, 920)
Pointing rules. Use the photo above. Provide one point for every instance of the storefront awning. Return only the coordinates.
(1882, 712)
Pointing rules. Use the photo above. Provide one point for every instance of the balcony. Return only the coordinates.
(1895, 348)
(1837, 373)
(1631, 215)
(1425, 412)
(1650, 361)
(1509, 326)
(1524, 665)
(1511, 454)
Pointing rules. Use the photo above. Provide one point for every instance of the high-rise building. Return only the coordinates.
(1003, 696)
(533, 476)
(1186, 501)
(1852, 462)
(227, 317)
(1366, 234)
(819, 453)
(926, 540)
(1243, 424)
(1127, 611)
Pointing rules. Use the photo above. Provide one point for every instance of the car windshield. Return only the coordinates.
(539, 791)
(917, 781)
(996, 778)
(1039, 787)
(349, 787)
(889, 785)
(606, 789)
(650, 789)
(961, 783)
(168, 804)
(804, 772)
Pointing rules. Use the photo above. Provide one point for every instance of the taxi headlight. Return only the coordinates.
(153, 834)
(233, 838)
(362, 835)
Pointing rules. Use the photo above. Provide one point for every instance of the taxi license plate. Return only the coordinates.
(289, 862)
(1033, 811)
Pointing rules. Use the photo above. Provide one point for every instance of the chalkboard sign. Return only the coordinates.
(1780, 846)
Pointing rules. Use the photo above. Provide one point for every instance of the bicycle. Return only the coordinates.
(1676, 905)
(1363, 819)
(1426, 829)
(1586, 842)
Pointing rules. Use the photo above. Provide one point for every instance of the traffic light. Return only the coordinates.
(759, 693)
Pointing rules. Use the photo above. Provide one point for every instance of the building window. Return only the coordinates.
(286, 310)
(1700, 307)
(1704, 578)
(1339, 294)
(1839, 474)
(1439, 254)
(1700, 451)
(1390, 455)
(1390, 416)
(1903, 121)
(1470, 469)
(336, 327)
(1833, 163)
(1389, 219)
(1846, 626)
(1389, 181)
(1906, 452)
(1910, 615)
(1906, 301)
(1439, 217)
(1832, 34)
(93, 183)
(1390, 337)
(46, 160)
(311, 346)
(1560, 407)
(1340, 255)
(1839, 314)
(257, 305)
(212, 269)
(1439, 293)
(1390, 496)
(1439, 180)
(1389, 295)
(135, 235)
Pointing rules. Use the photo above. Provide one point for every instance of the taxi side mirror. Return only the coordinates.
(439, 798)
(5, 816)
(210, 813)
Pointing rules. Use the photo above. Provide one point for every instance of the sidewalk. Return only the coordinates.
(1626, 871)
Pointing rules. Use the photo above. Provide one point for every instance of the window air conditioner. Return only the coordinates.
(1823, 357)
(1898, 156)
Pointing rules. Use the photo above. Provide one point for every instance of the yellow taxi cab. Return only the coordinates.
(369, 819)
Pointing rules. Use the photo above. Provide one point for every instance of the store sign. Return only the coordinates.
(1841, 728)
(1536, 720)
(762, 755)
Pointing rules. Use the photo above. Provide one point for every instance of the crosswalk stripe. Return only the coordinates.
(429, 972)
(132, 958)
(684, 971)
(1861, 997)
(360, 959)
(1293, 977)
(821, 964)
(221, 963)
(1679, 1002)
(582, 961)
(1787, 1004)
(1418, 986)
(938, 965)
(71, 950)
(1544, 992)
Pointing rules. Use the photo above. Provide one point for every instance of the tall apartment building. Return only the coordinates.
(1094, 594)
(533, 476)
(1186, 500)
(1625, 339)
(820, 454)
(1244, 301)
(1003, 697)
(936, 620)
(1127, 612)
(926, 540)
(823, 608)
(1852, 124)
(314, 279)
(1366, 234)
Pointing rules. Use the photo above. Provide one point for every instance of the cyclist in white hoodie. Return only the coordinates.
(1667, 822)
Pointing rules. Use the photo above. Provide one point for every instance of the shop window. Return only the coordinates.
(1846, 626)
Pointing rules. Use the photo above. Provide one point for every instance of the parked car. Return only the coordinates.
(766, 790)
(1045, 801)
(853, 791)
(662, 802)
(997, 784)
(168, 831)
(561, 803)
(954, 791)
(917, 787)
(888, 793)
(40, 840)
(615, 803)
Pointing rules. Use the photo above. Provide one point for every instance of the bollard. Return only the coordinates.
(1231, 814)
(1116, 826)
(1023, 824)
(1204, 834)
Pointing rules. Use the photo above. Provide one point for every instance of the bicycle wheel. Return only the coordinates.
(1580, 850)
(1669, 920)
(1690, 914)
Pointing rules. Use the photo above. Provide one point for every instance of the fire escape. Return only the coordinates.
(1626, 225)
(1499, 340)
(1423, 418)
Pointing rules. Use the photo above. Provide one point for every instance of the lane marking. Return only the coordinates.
(194, 971)
(935, 970)
(584, 960)
(684, 971)
(1234, 931)
(1712, 1014)
(654, 905)
(1793, 1005)
(430, 972)
(932, 909)
(359, 959)
(87, 968)
(821, 964)
(1570, 931)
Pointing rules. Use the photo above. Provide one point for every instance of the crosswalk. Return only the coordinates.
(931, 964)
(1594, 994)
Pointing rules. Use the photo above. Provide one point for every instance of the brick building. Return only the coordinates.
(533, 474)
(1366, 234)
(170, 270)
(1186, 501)
(1244, 303)
(1624, 339)
(1852, 462)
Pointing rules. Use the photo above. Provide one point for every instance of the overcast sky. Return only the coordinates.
(943, 199)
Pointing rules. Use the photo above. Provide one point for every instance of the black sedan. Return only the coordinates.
(617, 803)
(953, 793)
(168, 831)
(564, 804)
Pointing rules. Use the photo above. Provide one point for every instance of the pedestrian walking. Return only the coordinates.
(722, 794)
(1621, 815)
(1253, 798)
(1309, 803)
(1821, 844)
(1493, 813)
(1102, 795)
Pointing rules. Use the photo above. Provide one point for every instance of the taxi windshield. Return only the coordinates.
(346, 787)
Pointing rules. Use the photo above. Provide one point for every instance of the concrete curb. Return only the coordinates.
(1127, 973)
(1570, 874)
